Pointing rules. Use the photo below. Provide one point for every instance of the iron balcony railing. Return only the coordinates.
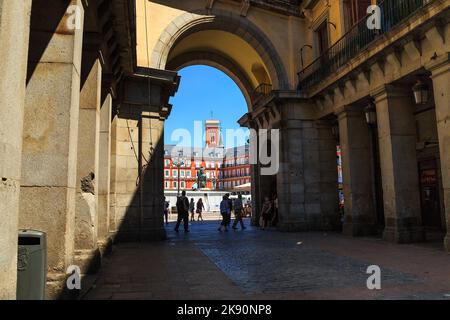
(261, 91)
(393, 12)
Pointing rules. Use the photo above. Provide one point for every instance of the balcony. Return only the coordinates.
(263, 90)
(357, 39)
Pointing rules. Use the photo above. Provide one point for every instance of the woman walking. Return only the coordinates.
(200, 208)
(191, 209)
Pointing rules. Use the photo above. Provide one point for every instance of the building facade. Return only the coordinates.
(225, 168)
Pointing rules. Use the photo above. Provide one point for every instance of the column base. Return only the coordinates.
(319, 224)
(358, 229)
(447, 242)
(89, 261)
(105, 246)
(404, 235)
(56, 287)
(146, 235)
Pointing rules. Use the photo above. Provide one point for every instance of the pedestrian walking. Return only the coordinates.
(191, 209)
(230, 205)
(266, 213)
(238, 212)
(166, 205)
(225, 212)
(200, 208)
(274, 209)
(183, 212)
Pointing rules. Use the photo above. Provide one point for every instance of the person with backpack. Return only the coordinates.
(238, 208)
(183, 212)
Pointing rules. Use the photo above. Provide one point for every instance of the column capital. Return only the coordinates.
(348, 110)
(439, 65)
(386, 91)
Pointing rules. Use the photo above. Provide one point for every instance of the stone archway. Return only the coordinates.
(191, 23)
(219, 62)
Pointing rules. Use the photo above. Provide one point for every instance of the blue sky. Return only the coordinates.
(204, 90)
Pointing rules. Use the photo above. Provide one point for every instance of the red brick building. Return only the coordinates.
(225, 169)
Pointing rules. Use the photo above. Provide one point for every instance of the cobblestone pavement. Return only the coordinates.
(256, 264)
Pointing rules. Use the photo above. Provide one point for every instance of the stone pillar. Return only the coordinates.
(290, 179)
(113, 225)
(298, 180)
(329, 196)
(104, 239)
(137, 185)
(397, 140)
(14, 37)
(440, 69)
(49, 158)
(86, 218)
(360, 214)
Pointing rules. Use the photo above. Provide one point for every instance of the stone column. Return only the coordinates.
(290, 179)
(360, 214)
(104, 174)
(397, 136)
(329, 196)
(14, 37)
(49, 158)
(137, 156)
(87, 255)
(440, 69)
(298, 180)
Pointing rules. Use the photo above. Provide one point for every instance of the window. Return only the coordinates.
(182, 184)
(322, 37)
(354, 10)
(182, 173)
(174, 173)
(188, 174)
(175, 184)
(166, 162)
(167, 173)
(167, 185)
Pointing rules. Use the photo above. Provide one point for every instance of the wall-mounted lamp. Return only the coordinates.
(371, 114)
(335, 131)
(421, 92)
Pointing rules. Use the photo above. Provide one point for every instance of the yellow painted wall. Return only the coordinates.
(287, 34)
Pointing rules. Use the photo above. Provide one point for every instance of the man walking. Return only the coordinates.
(238, 207)
(183, 212)
(225, 212)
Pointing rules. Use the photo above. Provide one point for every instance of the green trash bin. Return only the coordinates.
(31, 265)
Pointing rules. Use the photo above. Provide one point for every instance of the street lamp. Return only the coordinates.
(420, 91)
(179, 162)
